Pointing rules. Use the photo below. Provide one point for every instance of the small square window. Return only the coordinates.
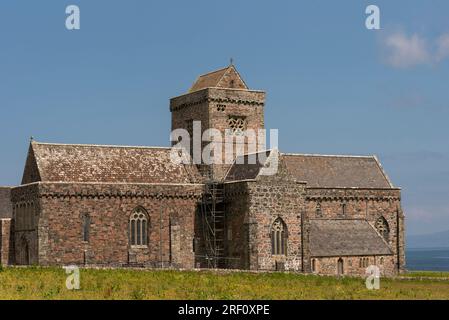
(221, 107)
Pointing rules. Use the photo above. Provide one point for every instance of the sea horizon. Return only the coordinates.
(427, 259)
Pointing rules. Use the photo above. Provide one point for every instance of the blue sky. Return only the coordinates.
(333, 86)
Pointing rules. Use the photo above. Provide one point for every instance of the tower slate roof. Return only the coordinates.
(322, 171)
(106, 164)
(223, 78)
(340, 237)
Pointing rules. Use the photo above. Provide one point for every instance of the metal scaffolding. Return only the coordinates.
(213, 223)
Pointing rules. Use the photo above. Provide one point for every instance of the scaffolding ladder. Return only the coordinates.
(213, 221)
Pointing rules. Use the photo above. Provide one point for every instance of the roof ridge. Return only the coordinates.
(238, 74)
(255, 152)
(206, 75)
(379, 164)
(224, 73)
(97, 145)
(339, 219)
(232, 67)
(215, 71)
(328, 155)
(107, 183)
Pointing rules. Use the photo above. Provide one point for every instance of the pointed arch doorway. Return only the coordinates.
(340, 267)
(25, 252)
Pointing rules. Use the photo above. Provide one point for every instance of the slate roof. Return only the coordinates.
(242, 170)
(322, 171)
(106, 164)
(213, 79)
(332, 238)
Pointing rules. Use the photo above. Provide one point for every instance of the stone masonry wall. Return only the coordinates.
(188, 108)
(273, 197)
(213, 107)
(6, 242)
(5, 202)
(237, 225)
(199, 240)
(362, 204)
(62, 207)
(228, 103)
(355, 265)
(26, 209)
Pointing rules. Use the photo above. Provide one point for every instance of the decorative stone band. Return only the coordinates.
(218, 95)
(339, 194)
(187, 104)
(219, 100)
(114, 190)
(340, 198)
(236, 193)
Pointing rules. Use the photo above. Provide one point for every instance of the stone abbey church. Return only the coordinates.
(99, 205)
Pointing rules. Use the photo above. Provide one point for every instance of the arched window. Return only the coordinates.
(86, 227)
(364, 262)
(26, 215)
(31, 215)
(313, 265)
(20, 217)
(138, 226)
(319, 212)
(383, 228)
(278, 237)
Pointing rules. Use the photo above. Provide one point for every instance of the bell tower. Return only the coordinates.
(220, 100)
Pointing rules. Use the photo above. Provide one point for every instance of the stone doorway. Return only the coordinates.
(25, 252)
(340, 268)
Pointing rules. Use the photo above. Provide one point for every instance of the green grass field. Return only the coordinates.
(49, 283)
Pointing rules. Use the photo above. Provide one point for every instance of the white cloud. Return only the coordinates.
(426, 219)
(443, 47)
(404, 51)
